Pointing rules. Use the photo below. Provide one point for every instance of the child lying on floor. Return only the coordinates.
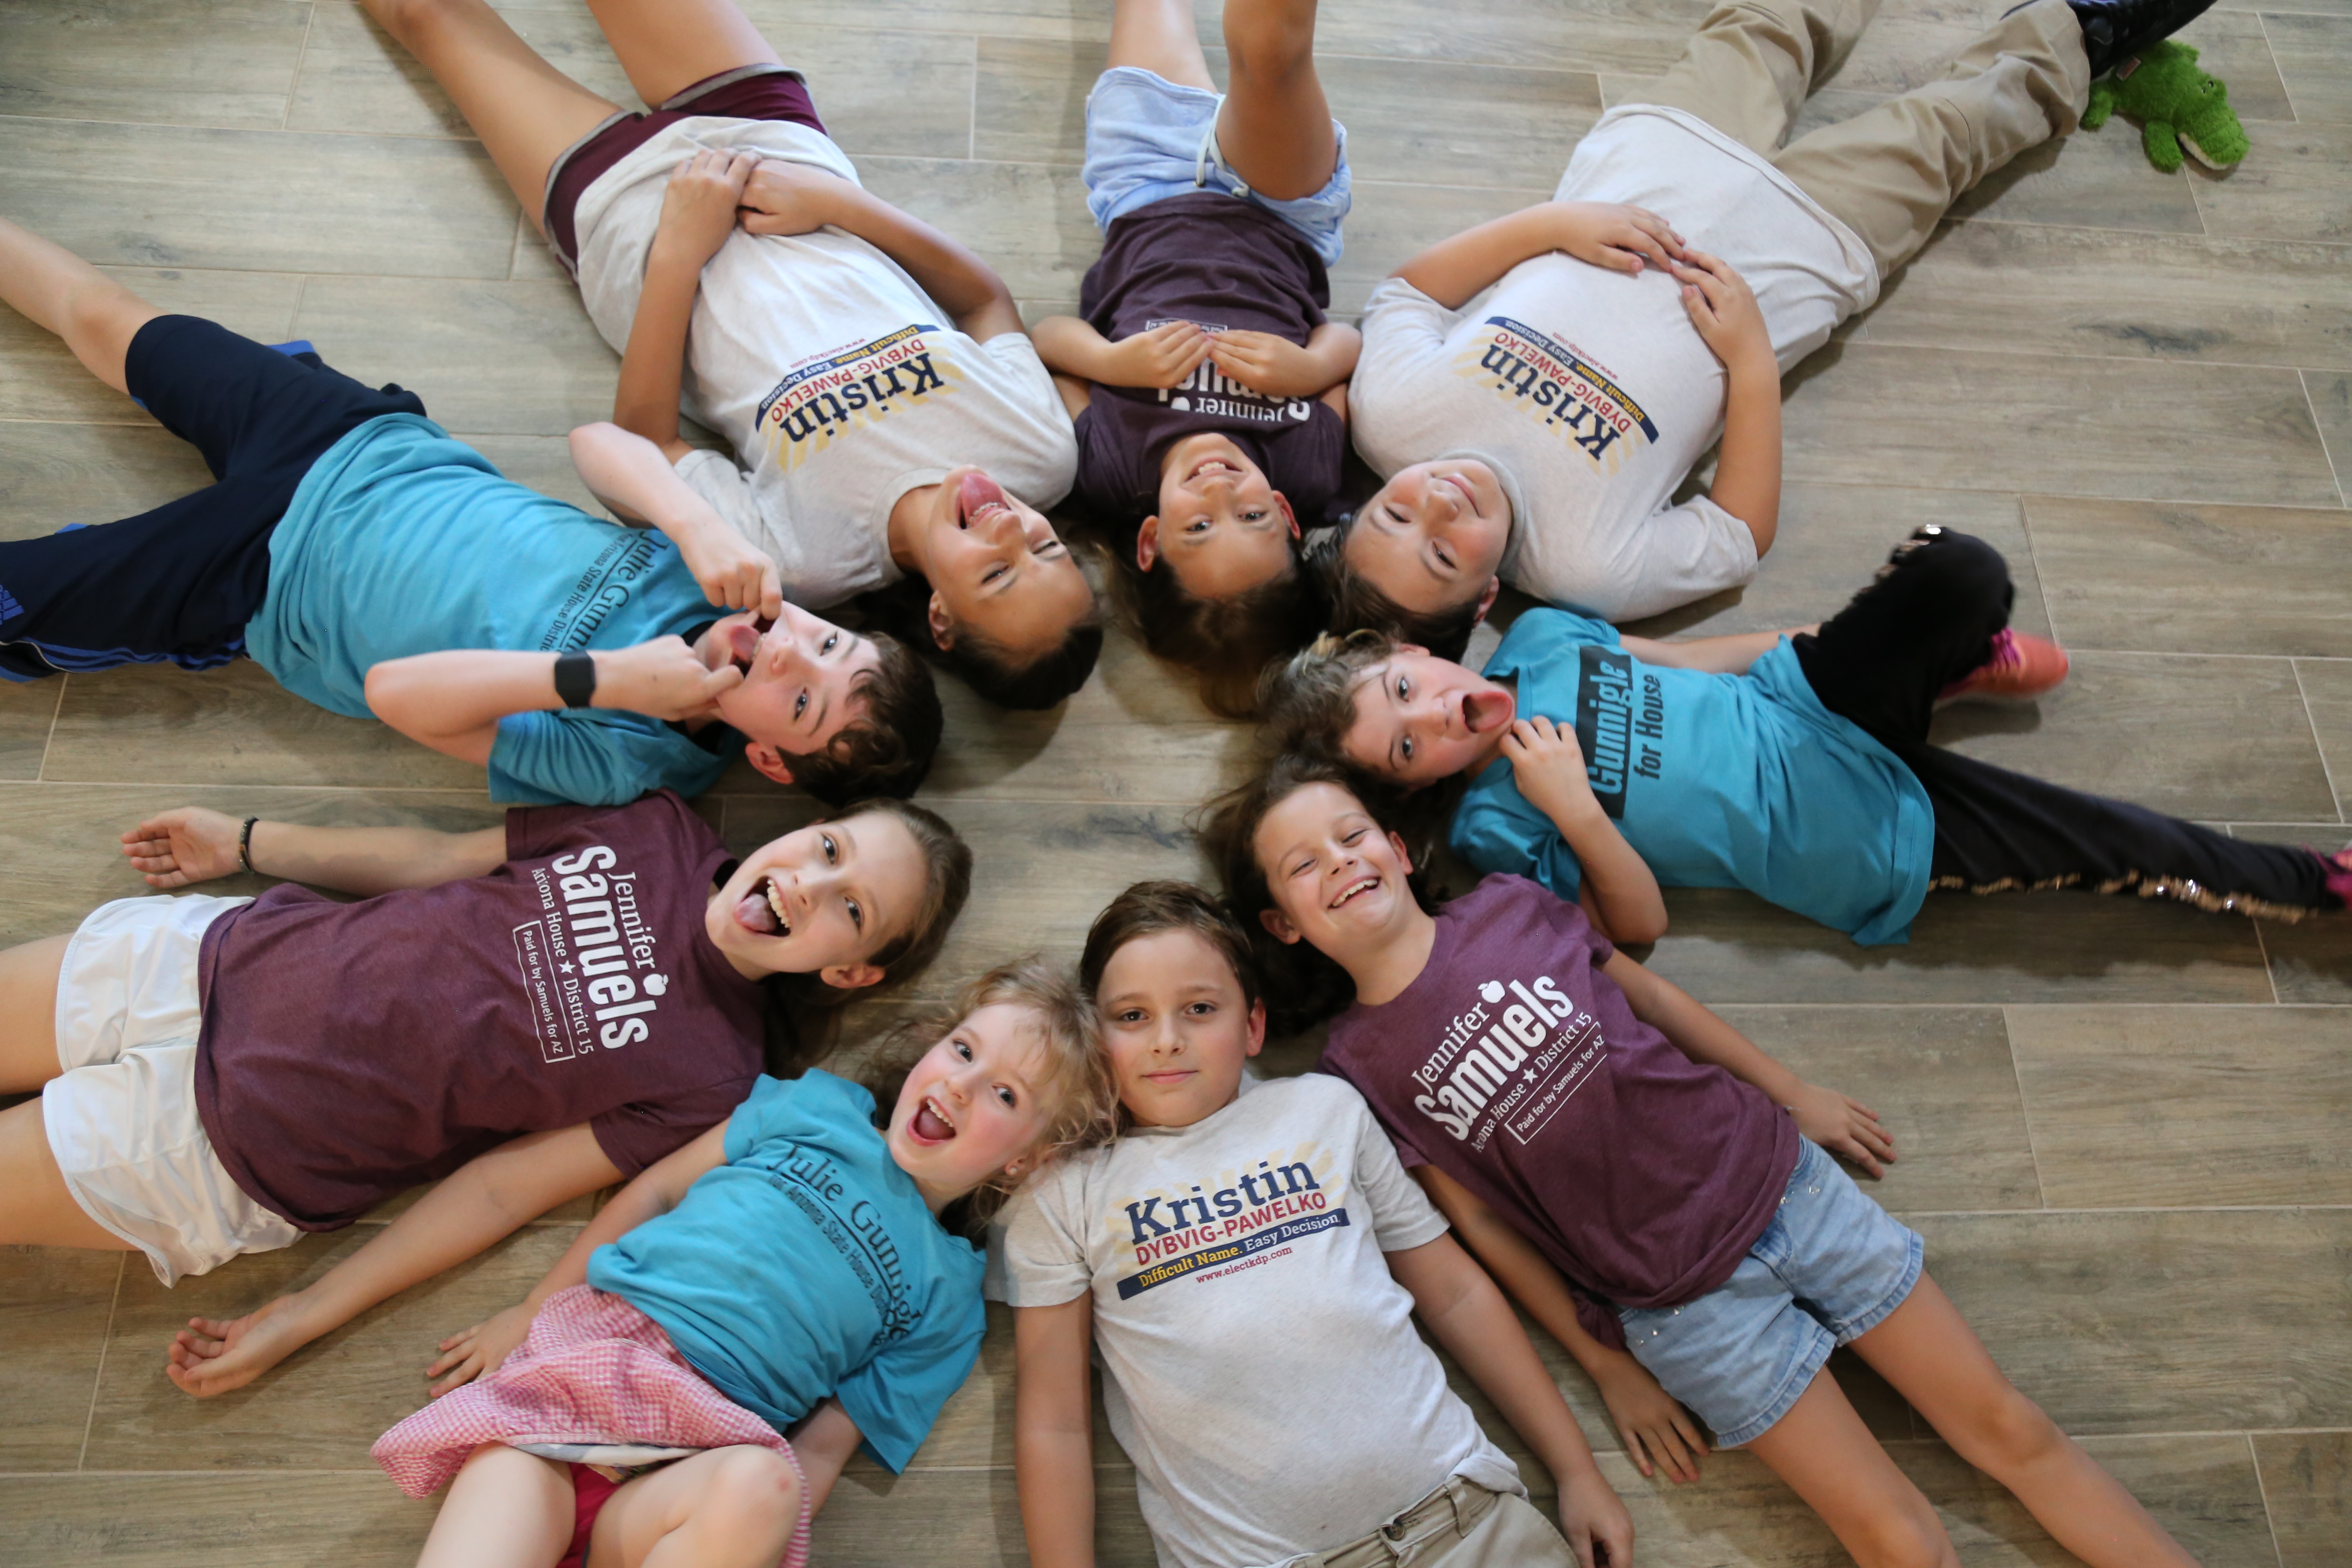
(806, 1262)
(1247, 1259)
(1793, 765)
(895, 427)
(375, 565)
(1642, 1178)
(523, 1015)
(1209, 390)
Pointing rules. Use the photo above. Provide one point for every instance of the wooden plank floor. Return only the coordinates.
(2125, 1125)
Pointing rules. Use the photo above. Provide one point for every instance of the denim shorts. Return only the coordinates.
(1149, 139)
(1827, 1270)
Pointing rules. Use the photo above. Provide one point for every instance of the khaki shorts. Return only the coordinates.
(1461, 1525)
(121, 1120)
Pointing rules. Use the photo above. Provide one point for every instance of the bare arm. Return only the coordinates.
(191, 844)
(1622, 238)
(1276, 367)
(823, 1443)
(1747, 468)
(1824, 1115)
(486, 1200)
(1619, 891)
(653, 1192)
(641, 484)
(1470, 1319)
(795, 198)
(452, 701)
(1163, 356)
(1053, 1431)
(697, 215)
(1649, 1422)
(1718, 656)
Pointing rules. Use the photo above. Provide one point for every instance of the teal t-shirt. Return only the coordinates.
(401, 540)
(807, 1266)
(1717, 781)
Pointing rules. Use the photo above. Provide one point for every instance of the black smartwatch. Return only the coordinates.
(575, 678)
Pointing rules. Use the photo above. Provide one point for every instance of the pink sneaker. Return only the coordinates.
(2339, 874)
(2022, 668)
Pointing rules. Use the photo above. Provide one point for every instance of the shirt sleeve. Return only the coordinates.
(1401, 1215)
(714, 477)
(1036, 1260)
(1678, 554)
(592, 757)
(896, 1397)
(635, 1136)
(1405, 335)
(1498, 830)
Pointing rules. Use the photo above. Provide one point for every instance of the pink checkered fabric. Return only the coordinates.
(594, 1370)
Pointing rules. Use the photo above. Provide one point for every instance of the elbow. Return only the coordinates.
(591, 441)
(1641, 928)
(385, 690)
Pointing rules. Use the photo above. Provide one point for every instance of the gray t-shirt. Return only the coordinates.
(837, 382)
(1264, 1373)
(1588, 390)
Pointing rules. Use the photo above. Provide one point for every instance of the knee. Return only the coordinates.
(1961, 572)
(2006, 1434)
(411, 21)
(1911, 1538)
(1270, 41)
(759, 1485)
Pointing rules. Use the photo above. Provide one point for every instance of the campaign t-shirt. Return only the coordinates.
(1717, 781)
(1513, 1065)
(401, 540)
(1264, 1374)
(808, 1264)
(1218, 263)
(839, 384)
(1589, 389)
(350, 1051)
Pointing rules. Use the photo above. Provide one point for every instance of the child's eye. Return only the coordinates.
(1007, 1096)
(1403, 687)
(831, 850)
(1405, 748)
(993, 575)
(1198, 525)
(961, 1049)
(830, 643)
(856, 912)
(1131, 1016)
(1351, 840)
(1201, 1009)
(800, 705)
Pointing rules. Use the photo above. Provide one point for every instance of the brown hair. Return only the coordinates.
(947, 883)
(1309, 703)
(986, 664)
(1078, 1086)
(890, 747)
(1227, 642)
(1147, 909)
(1355, 605)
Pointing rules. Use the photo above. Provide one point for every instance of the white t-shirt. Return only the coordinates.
(1264, 1374)
(1588, 390)
(836, 380)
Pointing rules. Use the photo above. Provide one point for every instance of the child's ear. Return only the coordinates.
(1487, 599)
(1288, 516)
(851, 976)
(942, 623)
(1278, 926)
(1396, 842)
(1258, 1026)
(1147, 543)
(768, 760)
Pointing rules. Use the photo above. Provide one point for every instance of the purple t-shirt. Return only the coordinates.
(350, 1051)
(1208, 259)
(1513, 1065)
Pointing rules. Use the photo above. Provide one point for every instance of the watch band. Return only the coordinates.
(575, 678)
(245, 844)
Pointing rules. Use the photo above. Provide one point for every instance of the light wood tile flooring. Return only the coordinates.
(2126, 1125)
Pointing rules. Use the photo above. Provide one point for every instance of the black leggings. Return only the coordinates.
(1929, 619)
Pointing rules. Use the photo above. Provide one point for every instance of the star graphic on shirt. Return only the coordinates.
(1530, 1075)
(563, 969)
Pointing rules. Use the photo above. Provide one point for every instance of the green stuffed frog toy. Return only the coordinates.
(2180, 107)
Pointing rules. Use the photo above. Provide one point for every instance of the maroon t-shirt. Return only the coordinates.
(350, 1051)
(1209, 259)
(1516, 1067)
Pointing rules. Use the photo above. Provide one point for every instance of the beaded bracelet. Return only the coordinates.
(245, 844)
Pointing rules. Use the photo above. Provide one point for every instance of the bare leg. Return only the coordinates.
(55, 288)
(667, 45)
(727, 1507)
(524, 110)
(1926, 1350)
(1829, 1459)
(1276, 127)
(28, 1002)
(506, 1508)
(36, 1209)
(1158, 35)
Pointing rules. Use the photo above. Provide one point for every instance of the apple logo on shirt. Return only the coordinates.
(655, 985)
(1492, 991)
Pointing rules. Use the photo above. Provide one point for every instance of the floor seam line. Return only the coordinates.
(2326, 769)
(2342, 496)
(98, 1378)
(2025, 1106)
(301, 53)
(2261, 1490)
(40, 775)
(2294, 115)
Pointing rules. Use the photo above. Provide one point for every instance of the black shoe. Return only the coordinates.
(2115, 30)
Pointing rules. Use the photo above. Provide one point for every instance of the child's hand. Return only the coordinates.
(785, 197)
(1593, 1517)
(1723, 308)
(699, 204)
(1164, 356)
(1842, 1126)
(480, 1350)
(1650, 1422)
(1549, 767)
(731, 570)
(212, 1355)
(1267, 364)
(664, 678)
(180, 847)
(1622, 238)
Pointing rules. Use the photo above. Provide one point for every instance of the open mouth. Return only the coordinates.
(1348, 893)
(742, 642)
(1213, 466)
(976, 495)
(930, 1125)
(1485, 711)
(1469, 499)
(762, 910)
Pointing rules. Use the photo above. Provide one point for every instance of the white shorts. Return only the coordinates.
(122, 1120)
